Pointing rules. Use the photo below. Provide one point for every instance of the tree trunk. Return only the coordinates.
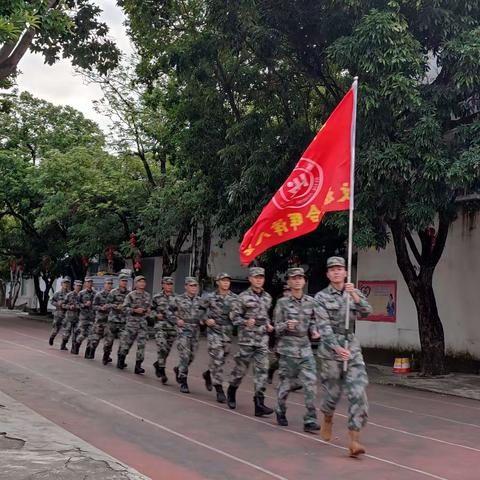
(420, 286)
(42, 295)
(3, 293)
(205, 252)
(170, 253)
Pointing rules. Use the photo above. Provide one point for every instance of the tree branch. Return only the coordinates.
(413, 246)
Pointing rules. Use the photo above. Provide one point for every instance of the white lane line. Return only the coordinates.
(150, 422)
(254, 419)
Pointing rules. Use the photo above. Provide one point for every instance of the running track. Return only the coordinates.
(168, 435)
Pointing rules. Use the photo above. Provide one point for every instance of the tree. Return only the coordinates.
(70, 29)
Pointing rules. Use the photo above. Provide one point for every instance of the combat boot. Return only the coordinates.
(138, 367)
(260, 408)
(75, 348)
(184, 385)
(231, 397)
(355, 447)
(121, 361)
(282, 419)
(326, 429)
(92, 353)
(221, 398)
(160, 372)
(51, 339)
(311, 427)
(64, 345)
(87, 352)
(208, 380)
(106, 357)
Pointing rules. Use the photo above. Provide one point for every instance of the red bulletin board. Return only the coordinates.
(382, 296)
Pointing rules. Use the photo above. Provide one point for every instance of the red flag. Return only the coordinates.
(319, 183)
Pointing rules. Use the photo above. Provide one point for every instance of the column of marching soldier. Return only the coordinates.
(84, 314)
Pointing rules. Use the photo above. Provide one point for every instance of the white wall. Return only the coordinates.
(456, 285)
(226, 259)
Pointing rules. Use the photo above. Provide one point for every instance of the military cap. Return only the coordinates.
(256, 272)
(191, 281)
(88, 279)
(66, 280)
(168, 280)
(222, 275)
(335, 262)
(138, 278)
(78, 282)
(123, 276)
(295, 272)
(108, 280)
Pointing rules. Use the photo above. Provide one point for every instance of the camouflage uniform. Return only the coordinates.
(166, 328)
(296, 356)
(136, 326)
(72, 307)
(219, 337)
(253, 342)
(101, 308)
(59, 314)
(86, 316)
(354, 380)
(116, 318)
(192, 311)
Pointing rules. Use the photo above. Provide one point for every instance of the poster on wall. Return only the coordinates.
(382, 296)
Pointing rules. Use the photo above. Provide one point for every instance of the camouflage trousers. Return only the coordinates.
(56, 325)
(113, 330)
(353, 381)
(298, 371)
(187, 346)
(218, 349)
(245, 355)
(98, 332)
(164, 338)
(70, 327)
(134, 331)
(84, 329)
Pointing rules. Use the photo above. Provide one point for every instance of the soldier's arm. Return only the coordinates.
(279, 319)
(238, 312)
(96, 302)
(324, 327)
(56, 302)
(362, 307)
(128, 305)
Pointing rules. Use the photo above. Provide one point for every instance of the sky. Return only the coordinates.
(59, 84)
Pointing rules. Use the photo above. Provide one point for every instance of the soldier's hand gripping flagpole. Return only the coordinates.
(350, 213)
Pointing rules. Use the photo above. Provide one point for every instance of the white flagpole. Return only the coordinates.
(350, 210)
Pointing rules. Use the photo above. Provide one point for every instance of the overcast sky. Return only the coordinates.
(59, 83)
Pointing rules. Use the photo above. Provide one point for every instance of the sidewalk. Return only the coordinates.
(33, 448)
(457, 384)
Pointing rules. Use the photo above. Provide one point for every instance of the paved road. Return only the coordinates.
(168, 435)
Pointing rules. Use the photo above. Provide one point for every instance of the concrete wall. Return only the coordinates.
(456, 284)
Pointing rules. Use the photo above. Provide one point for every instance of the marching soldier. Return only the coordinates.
(190, 312)
(296, 316)
(71, 307)
(333, 300)
(101, 309)
(137, 305)
(86, 315)
(250, 313)
(219, 333)
(116, 317)
(59, 313)
(164, 307)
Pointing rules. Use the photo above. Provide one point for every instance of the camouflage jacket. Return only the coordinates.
(137, 299)
(166, 306)
(85, 296)
(219, 308)
(252, 305)
(101, 300)
(71, 300)
(115, 301)
(333, 304)
(190, 310)
(310, 319)
(57, 301)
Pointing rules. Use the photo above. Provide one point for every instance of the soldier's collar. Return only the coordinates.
(333, 290)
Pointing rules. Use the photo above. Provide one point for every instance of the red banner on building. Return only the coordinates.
(319, 183)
